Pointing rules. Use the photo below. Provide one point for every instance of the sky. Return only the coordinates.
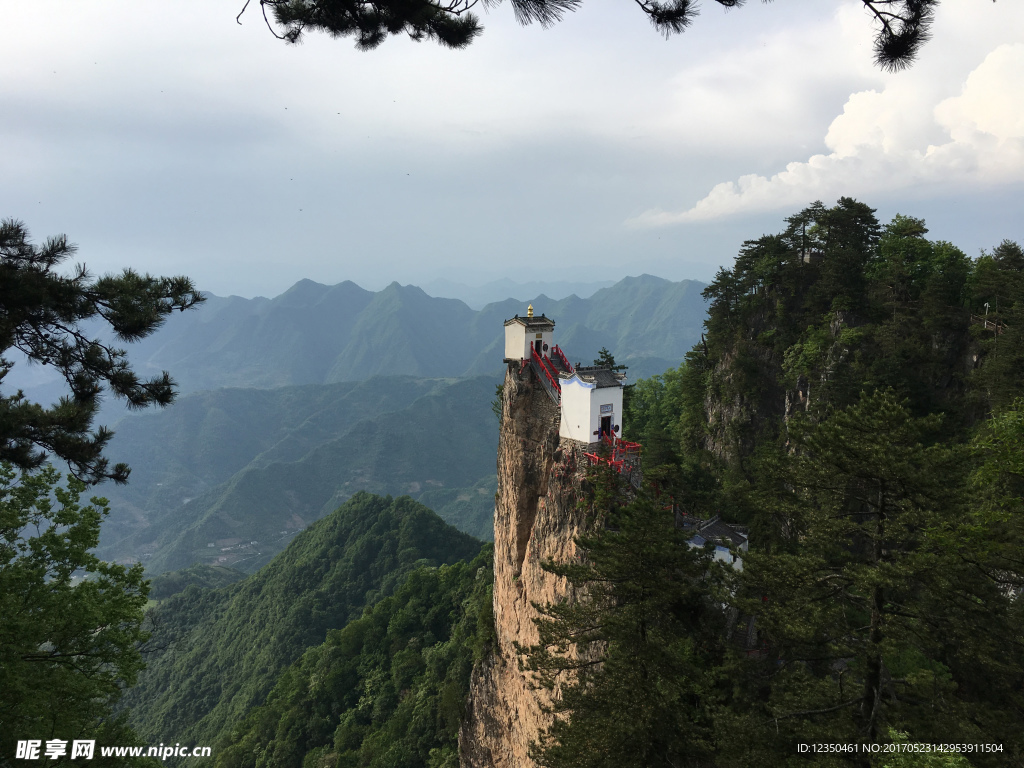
(169, 138)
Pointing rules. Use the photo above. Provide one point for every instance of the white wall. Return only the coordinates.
(518, 341)
(575, 421)
(581, 409)
(546, 337)
(515, 341)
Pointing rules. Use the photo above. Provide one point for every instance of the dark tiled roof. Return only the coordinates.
(533, 322)
(602, 377)
(717, 531)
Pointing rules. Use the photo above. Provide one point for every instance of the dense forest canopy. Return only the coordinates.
(220, 651)
(389, 689)
(856, 401)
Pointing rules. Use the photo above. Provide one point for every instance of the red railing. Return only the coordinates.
(622, 449)
(623, 458)
(551, 375)
(561, 356)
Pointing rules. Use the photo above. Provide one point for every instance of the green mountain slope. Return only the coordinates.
(388, 689)
(220, 651)
(291, 339)
(203, 576)
(442, 441)
(205, 438)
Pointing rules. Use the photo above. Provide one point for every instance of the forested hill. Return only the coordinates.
(314, 334)
(834, 306)
(851, 403)
(858, 402)
(388, 690)
(221, 650)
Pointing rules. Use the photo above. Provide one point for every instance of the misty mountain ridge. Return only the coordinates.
(290, 405)
(320, 334)
(479, 296)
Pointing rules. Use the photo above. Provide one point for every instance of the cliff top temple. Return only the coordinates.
(590, 398)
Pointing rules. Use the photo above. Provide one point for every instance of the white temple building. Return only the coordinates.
(590, 398)
(591, 404)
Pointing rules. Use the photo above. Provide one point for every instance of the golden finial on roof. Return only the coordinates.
(529, 311)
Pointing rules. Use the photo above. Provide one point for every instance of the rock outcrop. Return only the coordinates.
(537, 518)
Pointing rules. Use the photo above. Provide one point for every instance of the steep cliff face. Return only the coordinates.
(537, 518)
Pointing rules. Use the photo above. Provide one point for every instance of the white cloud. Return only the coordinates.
(908, 135)
(167, 136)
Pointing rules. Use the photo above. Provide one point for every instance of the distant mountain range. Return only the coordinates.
(290, 405)
(319, 334)
(479, 296)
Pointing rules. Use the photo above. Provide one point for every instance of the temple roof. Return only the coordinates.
(600, 376)
(539, 321)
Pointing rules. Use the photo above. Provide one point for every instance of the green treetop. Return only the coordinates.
(634, 661)
(870, 598)
(70, 625)
(42, 313)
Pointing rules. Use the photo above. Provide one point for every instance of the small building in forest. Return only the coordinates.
(728, 540)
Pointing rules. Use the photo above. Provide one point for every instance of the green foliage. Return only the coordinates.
(223, 649)
(865, 600)
(201, 576)
(838, 405)
(910, 759)
(607, 360)
(808, 319)
(666, 415)
(635, 659)
(997, 294)
(496, 402)
(452, 25)
(41, 316)
(905, 24)
(389, 689)
(997, 493)
(70, 625)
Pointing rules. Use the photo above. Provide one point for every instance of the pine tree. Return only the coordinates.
(902, 26)
(868, 600)
(41, 315)
(635, 660)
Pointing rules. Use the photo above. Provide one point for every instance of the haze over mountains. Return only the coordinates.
(318, 334)
(232, 476)
(289, 406)
(479, 296)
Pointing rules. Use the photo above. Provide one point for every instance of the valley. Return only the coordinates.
(289, 406)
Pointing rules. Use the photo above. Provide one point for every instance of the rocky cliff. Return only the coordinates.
(537, 518)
